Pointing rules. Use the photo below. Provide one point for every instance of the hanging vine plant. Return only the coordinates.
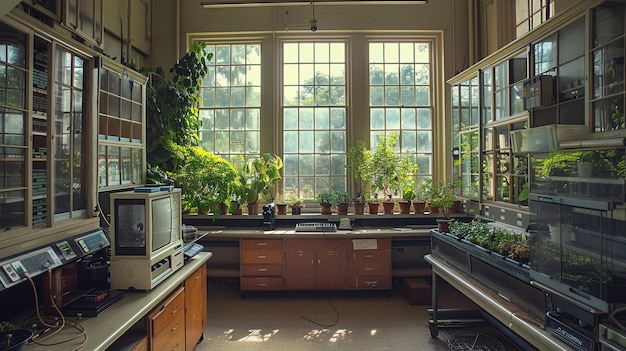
(172, 107)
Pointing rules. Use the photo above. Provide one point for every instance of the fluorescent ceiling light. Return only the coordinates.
(255, 3)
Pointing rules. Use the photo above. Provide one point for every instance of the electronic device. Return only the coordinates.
(146, 237)
(269, 216)
(316, 227)
(13, 270)
(192, 250)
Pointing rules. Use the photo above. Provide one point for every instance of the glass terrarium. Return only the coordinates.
(579, 249)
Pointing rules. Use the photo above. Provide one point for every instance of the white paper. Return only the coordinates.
(365, 244)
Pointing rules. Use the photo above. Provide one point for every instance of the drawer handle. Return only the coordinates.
(369, 256)
(174, 311)
(261, 257)
(261, 244)
(262, 284)
(175, 348)
(369, 269)
(175, 327)
(262, 269)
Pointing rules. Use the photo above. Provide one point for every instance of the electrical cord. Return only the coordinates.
(325, 326)
(56, 328)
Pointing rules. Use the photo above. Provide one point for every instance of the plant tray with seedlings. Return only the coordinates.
(464, 253)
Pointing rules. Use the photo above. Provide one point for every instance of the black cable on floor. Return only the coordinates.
(326, 326)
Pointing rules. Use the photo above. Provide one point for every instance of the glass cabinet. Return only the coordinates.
(579, 245)
(607, 58)
(580, 249)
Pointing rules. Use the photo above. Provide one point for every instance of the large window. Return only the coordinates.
(311, 126)
(400, 98)
(314, 117)
(230, 105)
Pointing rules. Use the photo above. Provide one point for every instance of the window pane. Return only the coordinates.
(230, 113)
(399, 83)
(318, 127)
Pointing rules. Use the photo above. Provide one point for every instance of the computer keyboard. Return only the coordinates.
(316, 227)
(193, 249)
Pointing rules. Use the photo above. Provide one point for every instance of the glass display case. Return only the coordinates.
(578, 246)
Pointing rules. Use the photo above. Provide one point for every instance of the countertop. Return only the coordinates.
(354, 233)
(102, 331)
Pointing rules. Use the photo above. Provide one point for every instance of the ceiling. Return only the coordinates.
(255, 3)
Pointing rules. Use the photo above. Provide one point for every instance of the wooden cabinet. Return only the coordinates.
(166, 323)
(369, 263)
(315, 264)
(261, 264)
(195, 307)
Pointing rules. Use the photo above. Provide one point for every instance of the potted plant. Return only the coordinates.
(406, 175)
(296, 203)
(373, 203)
(421, 195)
(258, 176)
(360, 164)
(343, 202)
(327, 200)
(281, 204)
(384, 165)
(206, 180)
(442, 197)
(408, 195)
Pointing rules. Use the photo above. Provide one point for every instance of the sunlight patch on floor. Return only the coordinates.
(333, 337)
(254, 335)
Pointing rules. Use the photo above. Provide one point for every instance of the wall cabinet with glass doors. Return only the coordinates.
(121, 151)
(607, 60)
(52, 185)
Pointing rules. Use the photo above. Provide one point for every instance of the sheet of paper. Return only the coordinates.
(364, 244)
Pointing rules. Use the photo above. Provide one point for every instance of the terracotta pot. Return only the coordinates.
(373, 207)
(388, 207)
(342, 209)
(419, 206)
(404, 207)
(359, 207)
(326, 209)
(443, 225)
(432, 209)
(296, 209)
(281, 209)
(456, 207)
(253, 208)
(237, 212)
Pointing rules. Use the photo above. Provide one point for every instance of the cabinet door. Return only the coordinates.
(331, 269)
(195, 307)
(300, 269)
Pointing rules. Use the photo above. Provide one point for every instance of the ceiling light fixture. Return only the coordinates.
(312, 22)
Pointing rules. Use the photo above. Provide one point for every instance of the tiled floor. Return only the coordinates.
(325, 321)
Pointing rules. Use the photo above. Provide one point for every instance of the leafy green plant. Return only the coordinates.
(360, 162)
(206, 180)
(442, 196)
(327, 198)
(384, 165)
(343, 198)
(171, 107)
(257, 176)
(506, 242)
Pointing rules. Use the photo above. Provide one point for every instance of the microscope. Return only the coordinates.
(269, 216)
